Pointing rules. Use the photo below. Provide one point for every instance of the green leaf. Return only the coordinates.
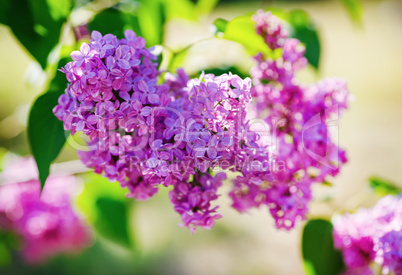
(36, 24)
(177, 59)
(115, 21)
(222, 70)
(319, 254)
(4, 8)
(5, 257)
(220, 25)
(242, 30)
(59, 9)
(91, 204)
(205, 6)
(151, 19)
(3, 152)
(305, 31)
(354, 8)
(45, 133)
(159, 59)
(59, 81)
(384, 187)
(179, 9)
(112, 220)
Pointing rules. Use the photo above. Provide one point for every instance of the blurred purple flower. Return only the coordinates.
(47, 223)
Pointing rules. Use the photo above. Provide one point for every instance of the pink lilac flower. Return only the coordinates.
(297, 116)
(371, 235)
(47, 223)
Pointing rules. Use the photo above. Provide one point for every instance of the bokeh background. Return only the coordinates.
(368, 55)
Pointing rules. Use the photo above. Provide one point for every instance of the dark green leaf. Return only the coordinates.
(319, 255)
(112, 220)
(242, 30)
(354, 8)
(5, 257)
(106, 208)
(220, 24)
(159, 59)
(384, 187)
(36, 24)
(45, 133)
(4, 8)
(305, 31)
(115, 21)
(59, 81)
(222, 70)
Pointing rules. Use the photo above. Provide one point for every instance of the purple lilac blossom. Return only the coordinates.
(391, 250)
(297, 115)
(371, 235)
(145, 135)
(193, 201)
(47, 223)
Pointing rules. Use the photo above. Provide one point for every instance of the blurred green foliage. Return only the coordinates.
(117, 20)
(383, 187)
(319, 255)
(241, 29)
(106, 207)
(36, 23)
(305, 31)
(113, 220)
(355, 9)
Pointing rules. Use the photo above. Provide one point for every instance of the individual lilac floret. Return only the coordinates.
(47, 223)
(371, 235)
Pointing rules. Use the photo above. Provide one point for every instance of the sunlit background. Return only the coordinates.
(368, 55)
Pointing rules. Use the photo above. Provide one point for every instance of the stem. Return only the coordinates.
(62, 168)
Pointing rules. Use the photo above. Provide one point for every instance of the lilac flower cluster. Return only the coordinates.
(372, 235)
(46, 223)
(270, 28)
(193, 201)
(146, 131)
(297, 116)
(145, 135)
